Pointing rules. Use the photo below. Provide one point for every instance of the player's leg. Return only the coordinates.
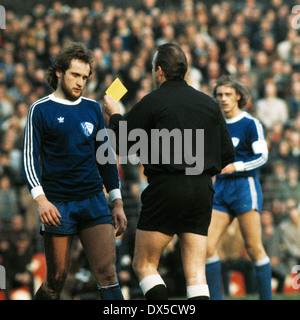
(219, 222)
(99, 245)
(147, 252)
(57, 252)
(193, 253)
(250, 225)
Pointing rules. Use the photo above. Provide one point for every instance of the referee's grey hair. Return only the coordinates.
(240, 89)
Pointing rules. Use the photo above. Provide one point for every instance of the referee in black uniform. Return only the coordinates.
(175, 202)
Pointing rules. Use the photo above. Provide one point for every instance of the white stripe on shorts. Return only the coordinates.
(253, 193)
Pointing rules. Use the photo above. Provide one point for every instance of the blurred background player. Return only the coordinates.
(238, 191)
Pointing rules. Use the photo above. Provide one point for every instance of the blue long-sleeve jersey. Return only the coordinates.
(61, 135)
(251, 151)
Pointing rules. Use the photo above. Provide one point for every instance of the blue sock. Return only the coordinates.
(111, 292)
(213, 278)
(263, 273)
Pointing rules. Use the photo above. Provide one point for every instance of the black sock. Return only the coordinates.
(41, 294)
(159, 292)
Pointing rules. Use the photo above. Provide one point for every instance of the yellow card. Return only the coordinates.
(116, 90)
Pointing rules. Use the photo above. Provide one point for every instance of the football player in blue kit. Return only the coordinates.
(238, 192)
(61, 134)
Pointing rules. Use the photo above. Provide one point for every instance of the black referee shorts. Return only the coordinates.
(177, 203)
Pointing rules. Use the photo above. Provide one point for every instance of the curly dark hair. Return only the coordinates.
(240, 89)
(63, 60)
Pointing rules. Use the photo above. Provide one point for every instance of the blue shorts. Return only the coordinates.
(237, 195)
(78, 215)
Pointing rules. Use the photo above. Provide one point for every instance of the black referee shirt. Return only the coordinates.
(176, 105)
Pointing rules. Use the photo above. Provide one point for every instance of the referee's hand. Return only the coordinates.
(111, 106)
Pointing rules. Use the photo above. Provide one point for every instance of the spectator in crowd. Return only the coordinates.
(294, 100)
(271, 182)
(290, 231)
(284, 151)
(261, 69)
(271, 109)
(294, 58)
(295, 146)
(291, 187)
(16, 260)
(279, 211)
(6, 105)
(284, 47)
(274, 247)
(8, 202)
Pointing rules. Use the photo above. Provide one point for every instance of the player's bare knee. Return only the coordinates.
(109, 276)
(139, 267)
(142, 269)
(136, 266)
(255, 251)
(105, 275)
(211, 250)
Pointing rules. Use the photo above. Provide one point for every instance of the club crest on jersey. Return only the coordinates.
(235, 141)
(87, 128)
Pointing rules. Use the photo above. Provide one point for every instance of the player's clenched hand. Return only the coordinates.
(119, 217)
(48, 213)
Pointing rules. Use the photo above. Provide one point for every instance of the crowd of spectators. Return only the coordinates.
(256, 42)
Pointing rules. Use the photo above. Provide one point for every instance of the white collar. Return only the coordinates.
(237, 118)
(64, 101)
